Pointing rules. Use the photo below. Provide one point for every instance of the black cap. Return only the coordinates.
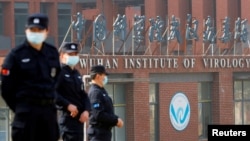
(98, 69)
(38, 20)
(69, 47)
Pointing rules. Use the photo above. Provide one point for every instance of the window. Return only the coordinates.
(204, 108)
(21, 14)
(4, 39)
(153, 106)
(64, 21)
(117, 93)
(4, 124)
(242, 101)
(46, 8)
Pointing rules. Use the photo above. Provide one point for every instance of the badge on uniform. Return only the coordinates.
(53, 72)
(96, 105)
(26, 60)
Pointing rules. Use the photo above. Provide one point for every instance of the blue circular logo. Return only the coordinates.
(179, 111)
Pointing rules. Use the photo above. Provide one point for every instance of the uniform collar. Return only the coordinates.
(68, 68)
(95, 85)
(27, 44)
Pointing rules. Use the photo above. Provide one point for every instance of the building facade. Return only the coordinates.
(175, 66)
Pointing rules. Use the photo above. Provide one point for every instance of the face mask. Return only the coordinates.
(105, 80)
(35, 37)
(72, 60)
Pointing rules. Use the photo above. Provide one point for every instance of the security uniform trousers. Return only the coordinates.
(35, 122)
(72, 136)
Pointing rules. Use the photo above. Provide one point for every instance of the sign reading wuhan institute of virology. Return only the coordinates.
(164, 62)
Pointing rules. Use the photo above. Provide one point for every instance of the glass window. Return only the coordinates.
(246, 113)
(4, 124)
(242, 101)
(238, 112)
(246, 90)
(204, 108)
(5, 39)
(237, 90)
(45, 8)
(21, 14)
(117, 92)
(153, 107)
(64, 21)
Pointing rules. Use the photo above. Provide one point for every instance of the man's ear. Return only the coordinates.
(47, 32)
(26, 30)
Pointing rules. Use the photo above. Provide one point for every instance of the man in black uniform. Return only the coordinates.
(29, 74)
(102, 116)
(72, 99)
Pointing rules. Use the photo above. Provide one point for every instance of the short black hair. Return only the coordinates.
(98, 69)
(92, 76)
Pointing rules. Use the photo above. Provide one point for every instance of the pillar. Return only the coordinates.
(222, 98)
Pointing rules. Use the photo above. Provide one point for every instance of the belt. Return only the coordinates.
(41, 102)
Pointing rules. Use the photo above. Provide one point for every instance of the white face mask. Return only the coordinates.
(105, 80)
(72, 60)
(35, 37)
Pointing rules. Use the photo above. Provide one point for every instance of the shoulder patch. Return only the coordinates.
(5, 72)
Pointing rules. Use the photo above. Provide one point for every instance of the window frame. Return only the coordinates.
(204, 118)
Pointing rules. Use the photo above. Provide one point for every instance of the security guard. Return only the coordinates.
(102, 116)
(29, 74)
(72, 100)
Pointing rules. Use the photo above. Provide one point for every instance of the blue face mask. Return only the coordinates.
(72, 60)
(105, 80)
(35, 37)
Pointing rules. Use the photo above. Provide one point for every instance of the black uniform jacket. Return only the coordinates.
(70, 90)
(102, 111)
(29, 73)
